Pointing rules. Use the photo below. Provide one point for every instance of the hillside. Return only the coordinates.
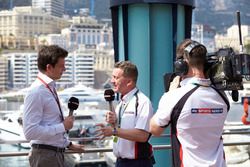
(221, 13)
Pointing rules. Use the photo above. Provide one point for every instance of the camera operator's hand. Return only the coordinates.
(68, 122)
(175, 83)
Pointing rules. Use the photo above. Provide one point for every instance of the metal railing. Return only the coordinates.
(109, 149)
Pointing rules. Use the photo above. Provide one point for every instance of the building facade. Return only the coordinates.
(52, 7)
(22, 69)
(85, 30)
(83, 66)
(231, 39)
(205, 35)
(20, 27)
(3, 73)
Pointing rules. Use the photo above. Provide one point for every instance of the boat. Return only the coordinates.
(83, 93)
(11, 129)
(84, 126)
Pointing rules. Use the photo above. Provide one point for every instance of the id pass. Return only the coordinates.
(115, 139)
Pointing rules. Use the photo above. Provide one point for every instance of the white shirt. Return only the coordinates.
(199, 126)
(42, 119)
(126, 148)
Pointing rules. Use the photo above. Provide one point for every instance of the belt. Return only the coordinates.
(127, 160)
(48, 147)
(152, 159)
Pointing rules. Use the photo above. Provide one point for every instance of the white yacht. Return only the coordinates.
(83, 93)
(11, 129)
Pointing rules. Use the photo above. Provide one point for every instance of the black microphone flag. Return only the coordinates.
(109, 96)
(73, 104)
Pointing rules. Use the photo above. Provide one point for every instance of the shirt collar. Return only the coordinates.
(47, 79)
(129, 95)
(196, 81)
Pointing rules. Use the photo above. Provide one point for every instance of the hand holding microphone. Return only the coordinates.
(109, 96)
(73, 104)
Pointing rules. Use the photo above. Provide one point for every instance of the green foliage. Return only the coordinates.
(247, 47)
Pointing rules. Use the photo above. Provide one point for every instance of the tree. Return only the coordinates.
(247, 46)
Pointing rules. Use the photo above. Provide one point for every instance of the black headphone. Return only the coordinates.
(181, 66)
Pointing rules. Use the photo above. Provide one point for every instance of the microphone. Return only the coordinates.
(73, 104)
(235, 95)
(109, 96)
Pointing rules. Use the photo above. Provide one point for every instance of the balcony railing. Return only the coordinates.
(109, 149)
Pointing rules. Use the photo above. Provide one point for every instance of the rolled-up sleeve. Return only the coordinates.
(163, 113)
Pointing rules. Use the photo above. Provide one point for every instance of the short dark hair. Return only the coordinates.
(196, 57)
(129, 69)
(49, 55)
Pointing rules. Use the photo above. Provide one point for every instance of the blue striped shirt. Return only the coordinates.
(42, 119)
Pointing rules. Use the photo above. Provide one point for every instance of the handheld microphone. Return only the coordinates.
(73, 104)
(109, 96)
(235, 95)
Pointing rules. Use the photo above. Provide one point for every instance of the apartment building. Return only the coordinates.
(231, 38)
(3, 73)
(104, 60)
(83, 63)
(52, 7)
(20, 27)
(22, 69)
(205, 35)
(85, 30)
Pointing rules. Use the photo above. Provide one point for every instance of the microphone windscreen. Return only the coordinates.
(235, 95)
(73, 103)
(109, 95)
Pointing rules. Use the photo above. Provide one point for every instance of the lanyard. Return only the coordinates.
(123, 108)
(54, 95)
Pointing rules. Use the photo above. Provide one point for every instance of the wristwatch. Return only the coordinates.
(70, 143)
(114, 132)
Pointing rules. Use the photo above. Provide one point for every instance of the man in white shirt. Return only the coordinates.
(196, 112)
(130, 120)
(43, 121)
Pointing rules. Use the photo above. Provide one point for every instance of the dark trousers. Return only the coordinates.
(46, 158)
(133, 163)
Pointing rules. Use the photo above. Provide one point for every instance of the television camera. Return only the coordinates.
(225, 68)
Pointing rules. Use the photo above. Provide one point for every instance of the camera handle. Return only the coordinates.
(245, 114)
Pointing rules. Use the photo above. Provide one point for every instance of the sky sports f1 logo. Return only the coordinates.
(207, 110)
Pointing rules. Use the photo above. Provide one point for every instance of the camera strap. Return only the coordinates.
(222, 94)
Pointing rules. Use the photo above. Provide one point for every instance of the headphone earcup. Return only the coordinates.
(181, 67)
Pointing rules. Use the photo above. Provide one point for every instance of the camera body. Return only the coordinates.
(226, 69)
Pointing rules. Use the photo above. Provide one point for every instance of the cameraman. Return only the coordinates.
(195, 110)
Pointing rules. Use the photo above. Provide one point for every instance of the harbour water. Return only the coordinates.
(20, 161)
